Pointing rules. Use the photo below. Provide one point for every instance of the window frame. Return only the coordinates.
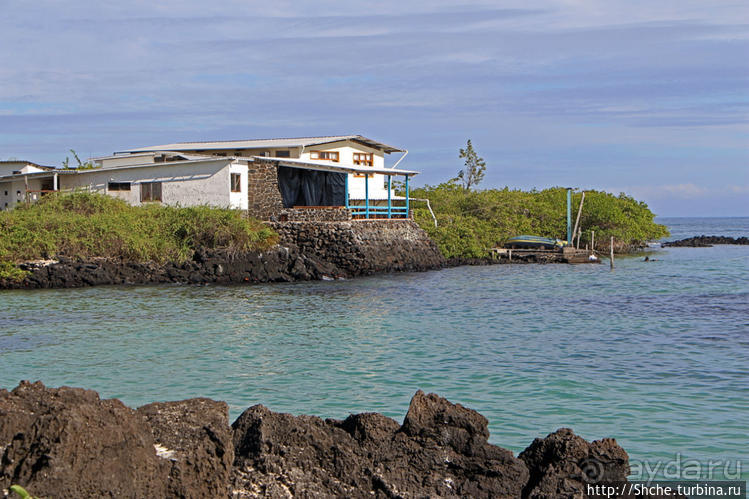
(119, 186)
(319, 156)
(238, 178)
(147, 191)
(367, 161)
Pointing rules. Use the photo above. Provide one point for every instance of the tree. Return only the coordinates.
(88, 165)
(473, 172)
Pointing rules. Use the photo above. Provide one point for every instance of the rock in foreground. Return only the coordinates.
(66, 442)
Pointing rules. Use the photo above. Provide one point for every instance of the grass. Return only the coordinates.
(88, 225)
(472, 222)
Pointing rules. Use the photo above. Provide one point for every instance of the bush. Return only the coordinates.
(472, 222)
(95, 225)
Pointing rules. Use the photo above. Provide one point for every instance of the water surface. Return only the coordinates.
(654, 354)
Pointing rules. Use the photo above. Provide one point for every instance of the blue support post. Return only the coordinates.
(366, 195)
(390, 203)
(569, 216)
(408, 195)
(347, 191)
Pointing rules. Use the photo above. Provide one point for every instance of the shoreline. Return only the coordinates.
(188, 449)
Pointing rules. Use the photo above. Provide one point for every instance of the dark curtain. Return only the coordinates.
(311, 187)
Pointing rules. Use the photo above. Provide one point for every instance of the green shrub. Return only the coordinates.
(90, 225)
(472, 222)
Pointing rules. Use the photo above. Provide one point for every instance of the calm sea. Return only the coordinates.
(654, 354)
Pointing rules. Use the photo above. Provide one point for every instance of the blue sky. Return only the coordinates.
(650, 98)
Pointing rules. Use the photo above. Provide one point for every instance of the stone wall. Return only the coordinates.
(317, 214)
(363, 247)
(264, 197)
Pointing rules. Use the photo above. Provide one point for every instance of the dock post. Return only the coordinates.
(569, 216)
(612, 252)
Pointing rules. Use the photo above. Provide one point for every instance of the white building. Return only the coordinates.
(262, 176)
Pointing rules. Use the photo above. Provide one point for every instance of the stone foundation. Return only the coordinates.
(315, 214)
(363, 247)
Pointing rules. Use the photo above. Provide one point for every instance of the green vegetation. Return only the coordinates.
(471, 222)
(21, 492)
(95, 225)
(474, 167)
(88, 165)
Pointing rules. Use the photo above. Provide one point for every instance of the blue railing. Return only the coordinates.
(379, 211)
(368, 211)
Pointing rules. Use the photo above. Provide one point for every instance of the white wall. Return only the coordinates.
(346, 150)
(238, 200)
(184, 184)
(16, 192)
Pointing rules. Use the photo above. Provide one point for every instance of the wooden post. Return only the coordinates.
(26, 184)
(612, 252)
(577, 220)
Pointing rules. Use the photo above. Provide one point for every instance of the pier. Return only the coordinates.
(563, 255)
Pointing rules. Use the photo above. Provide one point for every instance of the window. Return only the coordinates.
(118, 186)
(327, 155)
(150, 191)
(236, 182)
(283, 154)
(363, 159)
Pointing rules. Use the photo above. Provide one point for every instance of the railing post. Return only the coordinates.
(366, 195)
(390, 203)
(347, 191)
(407, 196)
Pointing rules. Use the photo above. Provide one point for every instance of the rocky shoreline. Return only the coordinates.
(706, 241)
(67, 442)
(306, 251)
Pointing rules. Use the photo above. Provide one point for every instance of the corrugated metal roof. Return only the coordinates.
(266, 143)
(331, 166)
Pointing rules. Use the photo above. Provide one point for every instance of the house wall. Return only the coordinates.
(14, 192)
(346, 150)
(188, 184)
(8, 167)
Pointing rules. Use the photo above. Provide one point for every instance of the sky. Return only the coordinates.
(645, 97)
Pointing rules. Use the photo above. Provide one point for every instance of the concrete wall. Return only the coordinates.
(184, 184)
(14, 192)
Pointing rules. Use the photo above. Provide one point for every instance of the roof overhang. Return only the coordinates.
(329, 166)
(264, 144)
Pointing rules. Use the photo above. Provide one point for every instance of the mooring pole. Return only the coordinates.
(612, 252)
(569, 216)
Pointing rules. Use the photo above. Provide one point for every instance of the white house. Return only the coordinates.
(262, 176)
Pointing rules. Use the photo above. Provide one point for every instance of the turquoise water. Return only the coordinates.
(654, 354)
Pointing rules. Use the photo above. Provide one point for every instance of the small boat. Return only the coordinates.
(534, 242)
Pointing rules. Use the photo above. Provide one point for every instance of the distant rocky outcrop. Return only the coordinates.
(67, 442)
(706, 241)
